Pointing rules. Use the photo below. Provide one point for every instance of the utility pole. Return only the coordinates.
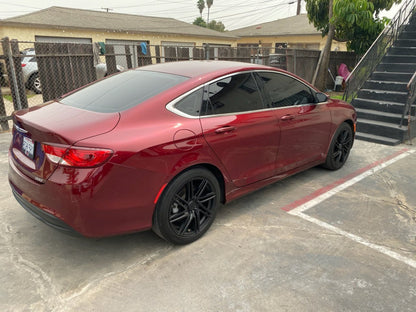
(107, 9)
(299, 7)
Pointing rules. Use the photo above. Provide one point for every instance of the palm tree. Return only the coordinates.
(209, 3)
(201, 6)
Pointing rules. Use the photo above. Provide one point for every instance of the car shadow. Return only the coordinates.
(72, 263)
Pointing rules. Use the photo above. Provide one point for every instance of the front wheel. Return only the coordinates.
(340, 147)
(187, 206)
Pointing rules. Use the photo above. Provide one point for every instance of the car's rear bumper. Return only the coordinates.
(42, 215)
(94, 206)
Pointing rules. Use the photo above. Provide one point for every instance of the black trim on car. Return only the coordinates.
(43, 216)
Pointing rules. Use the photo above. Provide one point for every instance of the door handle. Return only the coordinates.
(287, 117)
(224, 129)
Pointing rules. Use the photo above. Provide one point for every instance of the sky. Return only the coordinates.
(233, 13)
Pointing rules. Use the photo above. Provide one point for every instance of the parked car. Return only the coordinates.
(162, 146)
(31, 72)
(3, 75)
(278, 60)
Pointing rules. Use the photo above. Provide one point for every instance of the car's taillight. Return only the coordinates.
(23, 64)
(76, 156)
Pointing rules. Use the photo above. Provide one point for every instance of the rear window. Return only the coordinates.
(122, 91)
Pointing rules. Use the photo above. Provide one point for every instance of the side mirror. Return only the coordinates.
(321, 97)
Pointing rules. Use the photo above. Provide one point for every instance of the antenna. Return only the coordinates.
(107, 9)
(299, 7)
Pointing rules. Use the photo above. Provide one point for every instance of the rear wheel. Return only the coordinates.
(340, 147)
(187, 206)
(34, 83)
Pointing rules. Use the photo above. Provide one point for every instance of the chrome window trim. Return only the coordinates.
(171, 105)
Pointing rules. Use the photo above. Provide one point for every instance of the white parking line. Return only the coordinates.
(299, 211)
(355, 238)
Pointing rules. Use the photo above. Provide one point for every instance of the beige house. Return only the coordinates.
(293, 32)
(59, 24)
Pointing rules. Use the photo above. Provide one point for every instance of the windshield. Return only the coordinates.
(122, 91)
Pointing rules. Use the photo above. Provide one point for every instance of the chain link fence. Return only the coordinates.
(32, 73)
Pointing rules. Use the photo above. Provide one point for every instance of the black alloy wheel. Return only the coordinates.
(187, 207)
(340, 147)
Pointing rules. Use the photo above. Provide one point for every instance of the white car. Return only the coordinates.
(31, 74)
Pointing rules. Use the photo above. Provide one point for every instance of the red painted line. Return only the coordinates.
(329, 187)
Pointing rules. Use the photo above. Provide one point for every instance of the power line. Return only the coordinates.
(242, 14)
(20, 5)
(229, 15)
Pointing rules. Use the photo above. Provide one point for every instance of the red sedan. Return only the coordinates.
(162, 146)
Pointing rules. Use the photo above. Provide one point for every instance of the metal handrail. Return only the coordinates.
(378, 49)
(411, 89)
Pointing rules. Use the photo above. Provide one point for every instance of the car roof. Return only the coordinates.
(201, 68)
(28, 52)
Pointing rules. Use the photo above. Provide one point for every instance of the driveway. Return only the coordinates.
(317, 241)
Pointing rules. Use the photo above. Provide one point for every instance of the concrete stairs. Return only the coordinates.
(381, 100)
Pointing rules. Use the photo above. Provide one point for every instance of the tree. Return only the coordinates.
(214, 25)
(201, 6)
(218, 26)
(360, 24)
(355, 22)
(209, 4)
(199, 21)
(319, 78)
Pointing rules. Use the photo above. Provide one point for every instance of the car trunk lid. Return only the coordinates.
(56, 124)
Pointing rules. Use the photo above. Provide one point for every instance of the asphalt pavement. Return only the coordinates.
(317, 241)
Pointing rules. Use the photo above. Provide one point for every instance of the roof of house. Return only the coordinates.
(60, 17)
(294, 25)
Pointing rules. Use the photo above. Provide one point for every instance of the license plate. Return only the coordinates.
(28, 147)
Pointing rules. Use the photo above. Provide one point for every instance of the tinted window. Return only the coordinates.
(238, 93)
(281, 90)
(191, 104)
(122, 91)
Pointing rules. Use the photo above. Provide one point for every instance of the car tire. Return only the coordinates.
(340, 147)
(187, 207)
(35, 84)
(106, 74)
